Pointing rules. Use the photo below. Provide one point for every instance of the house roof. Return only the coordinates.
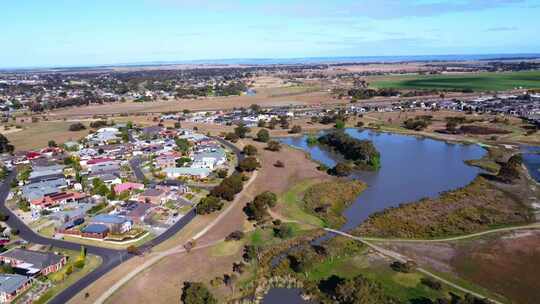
(152, 192)
(9, 283)
(95, 228)
(108, 219)
(38, 259)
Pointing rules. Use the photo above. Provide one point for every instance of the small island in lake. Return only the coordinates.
(362, 153)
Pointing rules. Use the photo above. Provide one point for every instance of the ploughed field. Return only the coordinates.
(476, 82)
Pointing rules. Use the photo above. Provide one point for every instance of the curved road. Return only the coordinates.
(110, 257)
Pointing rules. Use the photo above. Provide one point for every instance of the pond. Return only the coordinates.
(411, 168)
(284, 295)
(531, 159)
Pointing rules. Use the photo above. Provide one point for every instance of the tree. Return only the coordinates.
(76, 127)
(273, 145)
(232, 137)
(5, 146)
(340, 124)
(209, 204)
(341, 169)
(52, 144)
(248, 164)
(263, 135)
(235, 236)
(283, 231)
(183, 145)
(196, 293)
(241, 130)
(256, 210)
(296, 129)
(250, 150)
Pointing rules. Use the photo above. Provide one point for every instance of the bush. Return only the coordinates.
(250, 150)
(132, 249)
(279, 164)
(69, 270)
(196, 293)
(77, 127)
(3, 217)
(232, 137)
(431, 283)
(248, 164)
(79, 263)
(296, 129)
(274, 146)
(341, 169)
(241, 130)
(406, 267)
(235, 236)
(209, 204)
(263, 135)
(283, 231)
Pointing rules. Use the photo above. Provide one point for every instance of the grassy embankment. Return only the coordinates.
(479, 206)
(475, 82)
(319, 204)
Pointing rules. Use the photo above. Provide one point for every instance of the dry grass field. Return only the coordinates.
(37, 135)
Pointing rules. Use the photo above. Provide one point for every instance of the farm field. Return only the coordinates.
(476, 82)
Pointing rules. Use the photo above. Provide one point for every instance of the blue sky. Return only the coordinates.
(77, 32)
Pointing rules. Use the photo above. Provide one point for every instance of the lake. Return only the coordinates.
(531, 159)
(411, 168)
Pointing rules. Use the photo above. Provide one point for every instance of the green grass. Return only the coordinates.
(476, 82)
(62, 281)
(291, 202)
(346, 267)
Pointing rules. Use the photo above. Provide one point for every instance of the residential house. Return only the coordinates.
(199, 173)
(115, 224)
(12, 285)
(33, 262)
(54, 202)
(165, 161)
(210, 159)
(154, 196)
(37, 190)
(96, 231)
(127, 187)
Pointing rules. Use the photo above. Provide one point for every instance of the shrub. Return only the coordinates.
(263, 135)
(431, 283)
(79, 263)
(77, 127)
(248, 164)
(279, 164)
(296, 129)
(235, 236)
(273, 145)
(250, 150)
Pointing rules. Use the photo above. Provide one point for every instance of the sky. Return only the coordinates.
(81, 32)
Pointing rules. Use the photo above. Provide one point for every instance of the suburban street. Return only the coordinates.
(110, 257)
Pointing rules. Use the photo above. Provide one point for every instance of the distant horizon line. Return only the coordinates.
(289, 60)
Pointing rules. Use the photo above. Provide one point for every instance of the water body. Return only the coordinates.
(284, 295)
(411, 168)
(531, 159)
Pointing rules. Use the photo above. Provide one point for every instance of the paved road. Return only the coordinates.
(110, 257)
(135, 164)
